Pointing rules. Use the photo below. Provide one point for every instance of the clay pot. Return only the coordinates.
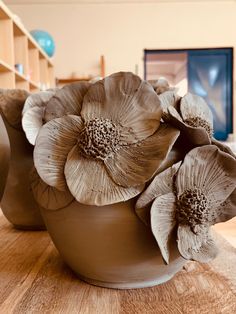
(18, 204)
(109, 246)
(4, 156)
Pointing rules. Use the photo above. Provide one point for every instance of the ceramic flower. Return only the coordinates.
(106, 154)
(44, 106)
(191, 197)
(194, 119)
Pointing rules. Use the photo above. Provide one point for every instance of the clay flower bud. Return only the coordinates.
(161, 85)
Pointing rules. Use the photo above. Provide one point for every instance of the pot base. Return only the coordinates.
(30, 228)
(108, 246)
(127, 285)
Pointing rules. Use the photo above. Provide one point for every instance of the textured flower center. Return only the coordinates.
(193, 208)
(199, 122)
(99, 138)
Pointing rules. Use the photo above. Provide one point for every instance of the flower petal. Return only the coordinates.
(197, 135)
(198, 247)
(127, 101)
(172, 111)
(163, 222)
(11, 105)
(54, 141)
(48, 196)
(223, 147)
(176, 154)
(195, 106)
(90, 183)
(169, 98)
(32, 121)
(209, 169)
(135, 164)
(161, 184)
(67, 100)
(39, 99)
(226, 210)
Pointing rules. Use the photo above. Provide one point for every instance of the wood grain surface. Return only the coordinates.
(34, 279)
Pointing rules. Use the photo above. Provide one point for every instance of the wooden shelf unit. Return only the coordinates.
(23, 63)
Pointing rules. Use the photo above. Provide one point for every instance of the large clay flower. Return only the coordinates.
(116, 145)
(191, 196)
(44, 106)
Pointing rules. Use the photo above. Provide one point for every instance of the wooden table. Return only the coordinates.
(34, 279)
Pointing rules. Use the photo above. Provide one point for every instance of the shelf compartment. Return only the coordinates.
(21, 81)
(21, 49)
(7, 77)
(22, 85)
(34, 84)
(34, 88)
(5, 67)
(3, 14)
(20, 77)
(17, 46)
(34, 73)
(44, 77)
(6, 39)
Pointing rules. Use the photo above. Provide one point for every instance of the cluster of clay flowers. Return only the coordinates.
(123, 137)
(191, 196)
(184, 200)
(96, 143)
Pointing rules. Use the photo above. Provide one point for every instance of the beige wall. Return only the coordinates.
(121, 31)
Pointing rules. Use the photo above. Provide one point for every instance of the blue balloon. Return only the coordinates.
(45, 41)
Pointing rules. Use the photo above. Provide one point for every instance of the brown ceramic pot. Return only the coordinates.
(109, 246)
(18, 204)
(4, 156)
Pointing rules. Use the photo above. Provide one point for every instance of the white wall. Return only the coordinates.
(121, 31)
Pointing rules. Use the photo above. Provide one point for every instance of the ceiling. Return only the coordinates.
(31, 2)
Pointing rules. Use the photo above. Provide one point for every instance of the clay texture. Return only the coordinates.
(128, 176)
(18, 203)
(109, 246)
(4, 156)
(117, 148)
